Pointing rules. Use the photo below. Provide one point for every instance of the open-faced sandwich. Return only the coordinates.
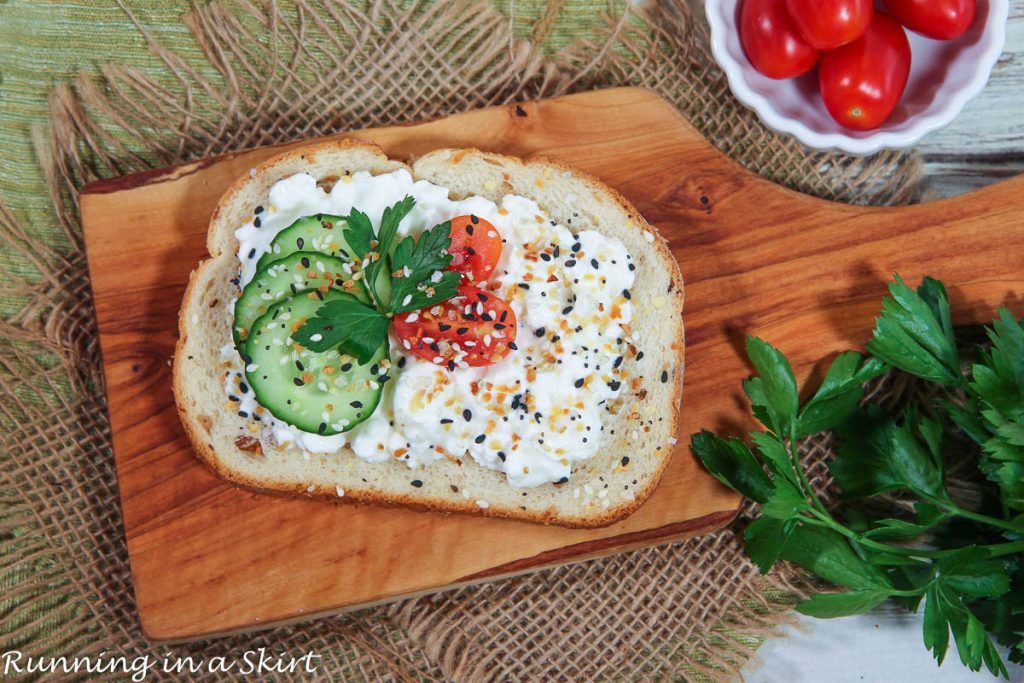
(471, 333)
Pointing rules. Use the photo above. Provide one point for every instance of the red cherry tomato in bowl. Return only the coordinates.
(862, 82)
(475, 249)
(828, 24)
(939, 19)
(772, 41)
(474, 328)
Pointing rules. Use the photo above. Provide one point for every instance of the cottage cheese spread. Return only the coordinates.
(531, 415)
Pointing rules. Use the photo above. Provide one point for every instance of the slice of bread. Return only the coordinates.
(638, 439)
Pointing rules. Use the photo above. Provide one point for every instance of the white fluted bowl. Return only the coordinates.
(944, 76)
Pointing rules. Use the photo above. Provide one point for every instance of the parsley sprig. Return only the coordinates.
(965, 562)
(401, 277)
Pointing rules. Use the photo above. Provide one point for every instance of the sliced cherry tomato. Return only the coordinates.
(861, 82)
(772, 41)
(474, 328)
(476, 248)
(939, 19)
(827, 24)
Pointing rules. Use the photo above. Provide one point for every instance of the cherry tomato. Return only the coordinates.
(772, 41)
(474, 328)
(861, 82)
(827, 24)
(939, 19)
(476, 248)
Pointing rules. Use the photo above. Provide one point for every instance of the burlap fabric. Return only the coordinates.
(231, 75)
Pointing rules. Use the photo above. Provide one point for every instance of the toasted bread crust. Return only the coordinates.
(200, 426)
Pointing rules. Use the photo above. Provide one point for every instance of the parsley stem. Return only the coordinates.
(1006, 548)
(827, 521)
(953, 509)
(794, 455)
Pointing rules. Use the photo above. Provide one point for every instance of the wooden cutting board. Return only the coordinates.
(807, 274)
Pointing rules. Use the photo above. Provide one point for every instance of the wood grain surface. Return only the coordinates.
(806, 274)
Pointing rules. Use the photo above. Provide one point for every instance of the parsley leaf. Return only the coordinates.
(765, 539)
(732, 463)
(347, 323)
(423, 280)
(914, 332)
(389, 222)
(828, 554)
(831, 605)
(839, 394)
(774, 389)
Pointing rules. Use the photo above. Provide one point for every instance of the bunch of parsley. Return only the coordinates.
(399, 277)
(965, 561)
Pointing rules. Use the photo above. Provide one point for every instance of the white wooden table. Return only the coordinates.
(985, 144)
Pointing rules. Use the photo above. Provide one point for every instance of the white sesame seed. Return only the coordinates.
(407, 299)
(310, 488)
(648, 236)
(316, 337)
(436, 276)
(412, 317)
(483, 504)
(339, 491)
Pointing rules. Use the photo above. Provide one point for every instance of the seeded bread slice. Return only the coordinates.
(601, 490)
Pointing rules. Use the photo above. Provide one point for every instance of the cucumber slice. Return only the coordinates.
(323, 233)
(302, 270)
(322, 393)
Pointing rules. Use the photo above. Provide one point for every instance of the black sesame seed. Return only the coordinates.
(450, 365)
(567, 310)
(632, 267)
(232, 397)
(467, 415)
(539, 332)
(299, 365)
(446, 420)
(401, 362)
(594, 263)
(664, 376)
(579, 383)
(462, 330)
(383, 378)
(252, 252)
(640, 355)
(246, 358)
(417, 483)
(374, 369)
(322, 428)
(243, 387)
(626, 294)
(480, 438)
(474, 220)
(435, 348)
(512, 345)
(356, 404)
(258, 210)
(348, 366)
(577, 246)
(618, 362)
(614, 385)
(625, 460)
(501, 456)
(562, 480)
(256, 223)
(300, 243)
(444, 327)
(469, 229)
(570, 263)
(299, 382)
